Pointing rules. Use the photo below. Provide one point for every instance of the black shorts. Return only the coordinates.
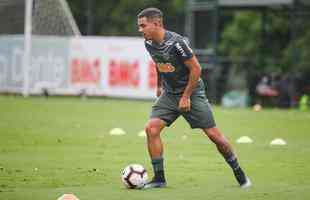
(200, 115)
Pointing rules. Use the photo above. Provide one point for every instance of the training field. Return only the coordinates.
(53, 146)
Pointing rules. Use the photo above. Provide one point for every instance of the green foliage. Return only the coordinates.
(297, 54)
(119, 17)
(242, 37)
(267, 46)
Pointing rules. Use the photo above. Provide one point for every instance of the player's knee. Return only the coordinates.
(153, 128)
(151, 131)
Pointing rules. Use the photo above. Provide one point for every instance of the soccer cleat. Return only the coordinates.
(242, 179)
(154, 184)
(247, 184)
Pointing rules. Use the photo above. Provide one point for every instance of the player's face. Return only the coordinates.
(147, 27)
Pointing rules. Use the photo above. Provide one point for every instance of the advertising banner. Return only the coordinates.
(112, 66)
(109, 66)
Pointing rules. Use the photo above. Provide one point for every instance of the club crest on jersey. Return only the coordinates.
(165, 67)
(166, 56)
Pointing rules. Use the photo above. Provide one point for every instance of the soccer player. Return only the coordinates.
(180, 91)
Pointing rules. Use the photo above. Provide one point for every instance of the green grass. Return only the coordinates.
(67, 140)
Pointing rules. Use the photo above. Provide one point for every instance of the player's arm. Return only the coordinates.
(159, 83)
(194, 75)
(189, 59)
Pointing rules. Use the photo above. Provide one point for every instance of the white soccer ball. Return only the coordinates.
(134, 176)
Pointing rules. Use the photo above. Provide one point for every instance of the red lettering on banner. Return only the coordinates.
(124, 73)
(152, 75)
(85, 71)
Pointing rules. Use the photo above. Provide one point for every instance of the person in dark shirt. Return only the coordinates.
(180, 91)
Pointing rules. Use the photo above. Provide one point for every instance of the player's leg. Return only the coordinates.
(154, 143)
(164, 113)
(219, 140)
(155, 148)
(201, 116)
(226, 150)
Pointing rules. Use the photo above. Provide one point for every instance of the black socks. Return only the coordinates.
(232, 161)
(158, 168)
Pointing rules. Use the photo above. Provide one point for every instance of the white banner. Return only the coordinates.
(110, 66)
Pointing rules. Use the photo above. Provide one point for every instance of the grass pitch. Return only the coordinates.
(53, 146)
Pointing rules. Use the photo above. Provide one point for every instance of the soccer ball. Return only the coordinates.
(134, 176)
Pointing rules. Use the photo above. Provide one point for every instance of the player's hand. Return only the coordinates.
(158, 91)
(185, 104)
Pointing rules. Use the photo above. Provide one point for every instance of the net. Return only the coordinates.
(53, 17)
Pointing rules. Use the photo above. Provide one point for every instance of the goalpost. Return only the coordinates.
(44, 17)
(27, 45)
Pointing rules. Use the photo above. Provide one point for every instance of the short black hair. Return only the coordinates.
(151, 13)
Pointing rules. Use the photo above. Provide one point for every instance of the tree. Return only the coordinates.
(119, 17)
(241, 39)
(297, 54)
(267, 46)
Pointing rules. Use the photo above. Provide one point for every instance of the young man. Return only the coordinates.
(180, 91)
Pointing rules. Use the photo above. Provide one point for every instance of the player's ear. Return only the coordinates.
(157, 22)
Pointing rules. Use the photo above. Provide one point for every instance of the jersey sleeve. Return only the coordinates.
(147, 47)
(183, 49)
